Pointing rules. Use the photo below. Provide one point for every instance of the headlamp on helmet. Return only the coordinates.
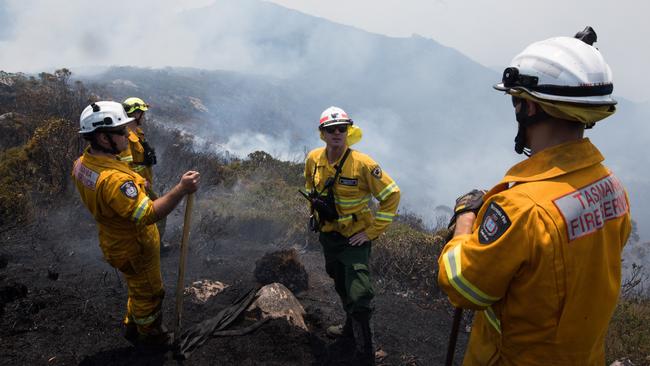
(561, 69)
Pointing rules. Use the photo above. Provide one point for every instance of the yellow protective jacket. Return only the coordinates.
(115, 196)
(360, 179)
(543, 262)
(134, 156)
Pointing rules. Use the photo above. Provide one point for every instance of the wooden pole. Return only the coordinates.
(451, 349)
(180, 285)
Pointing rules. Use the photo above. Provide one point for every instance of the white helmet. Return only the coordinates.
(561, 69)
(102, 115)
(334, 116)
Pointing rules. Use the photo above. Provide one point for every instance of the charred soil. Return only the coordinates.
(75, 318)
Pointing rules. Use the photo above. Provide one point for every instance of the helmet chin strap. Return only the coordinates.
(138, 121)
(525, 121)
(113, 150)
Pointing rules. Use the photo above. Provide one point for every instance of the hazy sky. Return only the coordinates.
(489, 32)
(492, 32)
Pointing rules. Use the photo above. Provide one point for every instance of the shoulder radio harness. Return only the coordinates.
(324, 205)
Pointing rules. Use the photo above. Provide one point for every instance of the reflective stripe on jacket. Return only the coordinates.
(115, 196)
(543, 263)
(361, 178)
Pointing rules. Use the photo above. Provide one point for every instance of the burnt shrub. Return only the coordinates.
(629, 334)
(406, 259)
(282, 266)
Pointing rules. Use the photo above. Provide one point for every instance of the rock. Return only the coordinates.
(622, 362)
(282, 266)
(276, 301)
(201, 291)
(198, 104)
(380, 354)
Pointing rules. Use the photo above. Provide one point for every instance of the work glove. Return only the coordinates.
(471, 201)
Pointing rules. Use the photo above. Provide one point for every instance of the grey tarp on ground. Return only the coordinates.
(192, 338)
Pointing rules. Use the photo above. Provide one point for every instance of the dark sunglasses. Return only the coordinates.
(121, 132)
(340, 128)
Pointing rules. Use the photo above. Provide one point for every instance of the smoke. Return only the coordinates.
(45, 35)
(243, 143)
(428, 113)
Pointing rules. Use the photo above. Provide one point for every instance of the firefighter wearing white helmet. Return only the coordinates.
(340, 183)
(115, 196)
(539, 255)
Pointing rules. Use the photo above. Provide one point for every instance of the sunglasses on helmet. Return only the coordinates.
(340, 128)
(130, 108)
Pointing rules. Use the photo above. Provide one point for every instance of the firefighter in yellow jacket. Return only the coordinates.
(140, 155)
(125, 214)
(540, 262)
(341, 183)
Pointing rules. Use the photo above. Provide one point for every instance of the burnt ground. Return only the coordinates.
(61, 304)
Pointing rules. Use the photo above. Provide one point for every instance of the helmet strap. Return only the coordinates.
(520, 141)
(113, 150)
(138, 121)
(525, 121)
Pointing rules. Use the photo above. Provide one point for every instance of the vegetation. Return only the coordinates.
(256, 196)
(36, 172)
(629, 333)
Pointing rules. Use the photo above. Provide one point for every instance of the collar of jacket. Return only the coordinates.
(105, 162)
(322, 160)
(555, 161)
(550, 163)
(133, 136)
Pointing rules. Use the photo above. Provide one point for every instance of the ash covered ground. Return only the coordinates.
(63, 305)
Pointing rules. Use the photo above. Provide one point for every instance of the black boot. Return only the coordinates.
(130, 332)
(364, 353)
(156, 338)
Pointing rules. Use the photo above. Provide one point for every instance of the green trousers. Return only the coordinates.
(348, 266)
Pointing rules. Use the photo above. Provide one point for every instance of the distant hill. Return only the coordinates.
(429, 113)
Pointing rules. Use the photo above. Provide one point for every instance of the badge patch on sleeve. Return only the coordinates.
(129, 189)
(495, 223)
(376, 172)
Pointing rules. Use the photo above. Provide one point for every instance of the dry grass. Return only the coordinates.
(629, 332)
(15, 204)
(37, 172)
(40, 168)
(405, 259)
